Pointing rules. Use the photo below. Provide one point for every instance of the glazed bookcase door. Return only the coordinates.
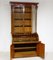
(24, 19)
(27, 19)
(18, 26)
(21, 19)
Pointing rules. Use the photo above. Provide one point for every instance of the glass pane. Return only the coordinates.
(18, 18)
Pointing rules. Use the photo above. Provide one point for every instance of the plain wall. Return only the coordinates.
(44, 23)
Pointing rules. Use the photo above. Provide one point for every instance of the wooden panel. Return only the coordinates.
(11, 51)
(40, 49)
(25, 54)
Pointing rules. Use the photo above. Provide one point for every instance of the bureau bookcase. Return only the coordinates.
(25, 42)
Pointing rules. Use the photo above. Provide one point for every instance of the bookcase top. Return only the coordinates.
(26, 3)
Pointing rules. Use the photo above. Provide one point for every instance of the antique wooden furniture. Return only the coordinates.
(25, 40)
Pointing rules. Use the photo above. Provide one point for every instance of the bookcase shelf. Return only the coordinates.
(21, 12)
(24, 48)
(22, 26)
